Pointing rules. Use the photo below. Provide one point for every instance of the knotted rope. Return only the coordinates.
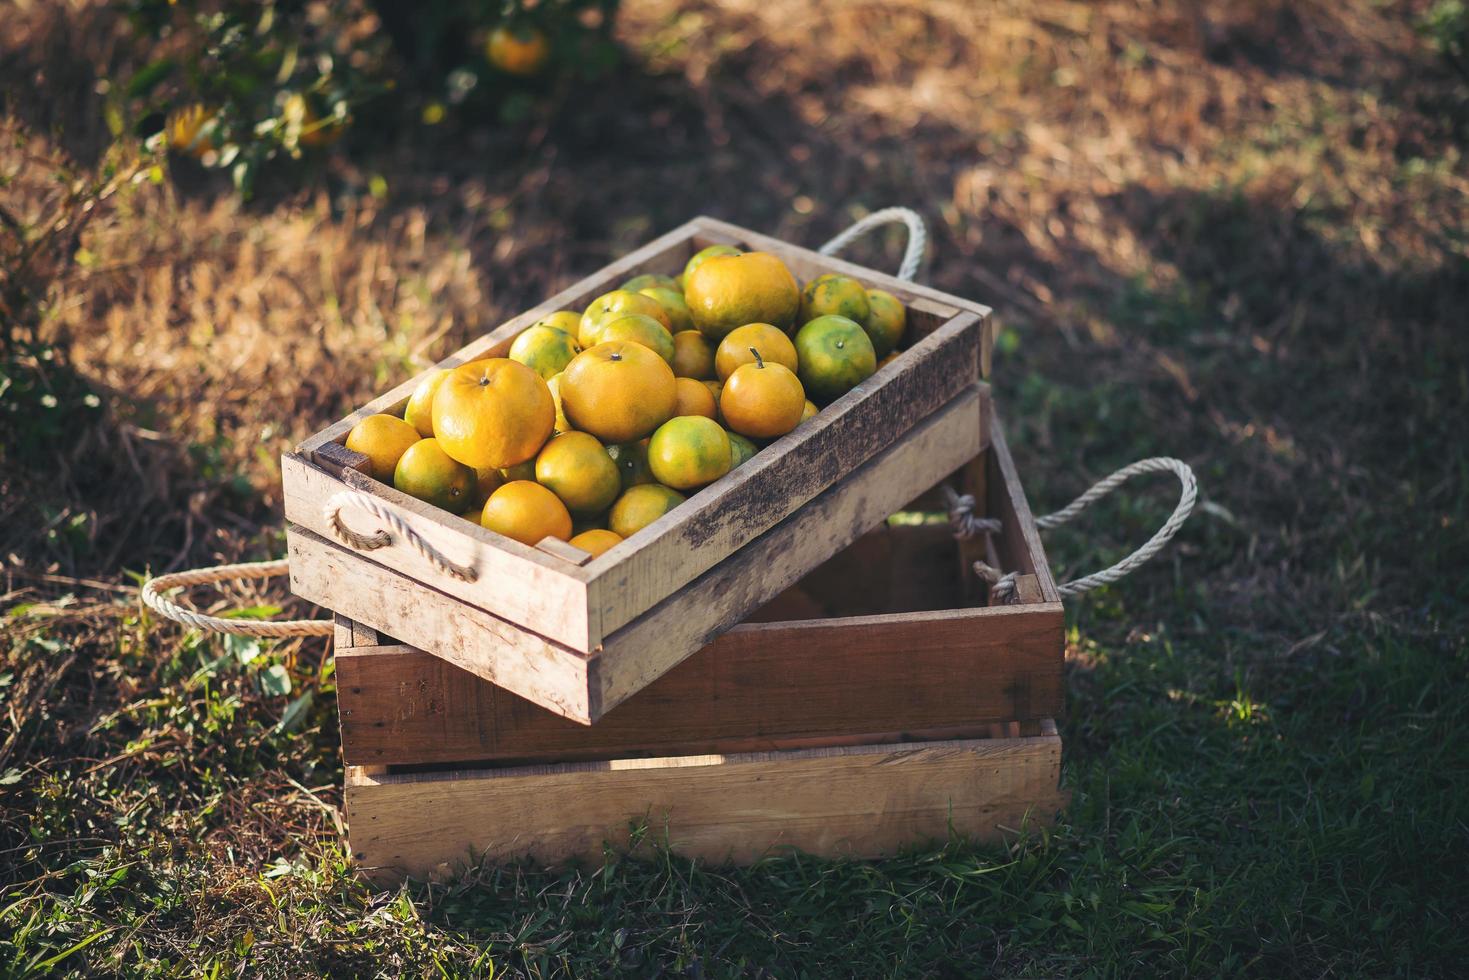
(381, 539)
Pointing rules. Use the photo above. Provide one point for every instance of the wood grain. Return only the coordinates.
(860, 802)
(1023, 552)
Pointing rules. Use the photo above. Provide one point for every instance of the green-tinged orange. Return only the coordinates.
(695, 399)
(689, 452)
(640, 506)
(596, 541)
(740, 448)
(553, 385)
(609, 306)
(618, 391)
(809, 410)
(495, 412)
(427, 472)
(639, 329)
(527, 512)
(740, 346)
(520, 471)
(383, 439)
(577, 469)
(834, 294)
(673, 304)
(632, 463)
(420, 410)
(700, 257)
(544, 349)
(762, 400)
(886, 320)
(649, 280)
(567, 321)
(835, 356)
(693, 355)
(729, 291)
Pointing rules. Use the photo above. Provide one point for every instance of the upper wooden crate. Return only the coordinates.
(578, 602)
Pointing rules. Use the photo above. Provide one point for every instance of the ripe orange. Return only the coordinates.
(494, 412)
(701, 256)
(694, 399)
(808, 410)
(383, 439)
(596, 541)
(639, 329)
(527, 512)
(487, 480)
(739, 347)
(618, 391)
(567, 321)
(632, 462)
(544, 349)
(693, 355)
(522, 50)
(609, 306)
(673, 304)
(427, 472)
(641, 506)
(648, 280)
(728, 291)
(762, 400)
(553, 385)
(885, 322)
(834, 294)
(689, 452)
(740, 449)
(577, 469)
(835, 357)
(190, 130)
(420, 410)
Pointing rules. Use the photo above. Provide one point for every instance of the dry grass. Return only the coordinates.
(1232, 232)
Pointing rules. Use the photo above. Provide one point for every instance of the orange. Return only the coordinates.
(618, 391)
(835, 357)
(702, 256)
(567, 321)
(595, 541)
(520, 471)
(632, 462)
(673, 304)
(609, 306)
(427, 472)
(689, 452)
(553, 385)
(486, 481)
(641, 506)
(544, 349)
(716, 388)
(762, 400)
(648, 280)
(639, 329)
(808, 410)
(885, 322)
(494, 412)
(834, 294)
(693, 355)
(887, 360)
(383, 439)
(191, 130)
(740, 346)
(577, 469)
(694, 399)
(527, 512)
(420, 410)
(740, 449)
(728, 291)
(523, 50)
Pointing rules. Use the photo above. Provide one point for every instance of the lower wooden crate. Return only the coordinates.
(858, 801)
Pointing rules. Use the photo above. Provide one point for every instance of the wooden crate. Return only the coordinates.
(876, 704)
(578, 635)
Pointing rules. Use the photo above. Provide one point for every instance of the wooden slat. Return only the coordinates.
(647, 648)
(1023, 552)
(860, 802)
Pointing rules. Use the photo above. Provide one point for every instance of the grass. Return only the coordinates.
(1236, 238)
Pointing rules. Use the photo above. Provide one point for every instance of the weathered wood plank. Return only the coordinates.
(860, 801)
(1023, 552)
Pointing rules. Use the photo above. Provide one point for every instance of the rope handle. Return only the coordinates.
(153, 598)
(1002, 586)
(381, 538)
(917, 236)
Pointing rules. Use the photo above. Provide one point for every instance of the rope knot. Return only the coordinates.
(962, 516)
(1002, 585)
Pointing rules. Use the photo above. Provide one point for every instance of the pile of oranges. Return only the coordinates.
(599, 423)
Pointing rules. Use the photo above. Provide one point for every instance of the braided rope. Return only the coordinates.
(153, 598)
(381, 538)
(961, 515)
(917, 237)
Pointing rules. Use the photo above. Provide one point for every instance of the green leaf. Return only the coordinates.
(275, 680)
(295, 713)
(149, 76)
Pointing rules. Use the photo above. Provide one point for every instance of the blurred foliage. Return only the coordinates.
(237, 83)
(1446, 25)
